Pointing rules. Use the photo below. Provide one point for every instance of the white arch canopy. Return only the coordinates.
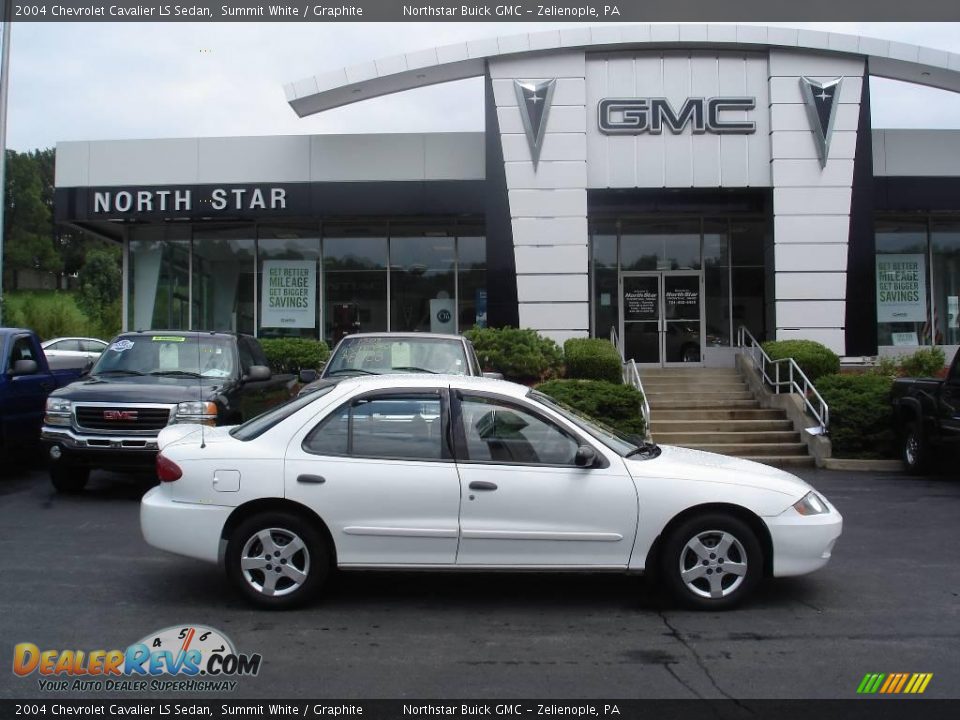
(887, 58)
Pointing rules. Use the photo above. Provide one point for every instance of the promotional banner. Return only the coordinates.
(289, 295)
(901, 288)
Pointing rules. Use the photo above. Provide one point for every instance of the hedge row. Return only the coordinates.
(615, 405)
(814, 359)
(592, 359)
(291, 355)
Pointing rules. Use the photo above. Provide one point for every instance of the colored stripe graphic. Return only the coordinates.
(894, 683)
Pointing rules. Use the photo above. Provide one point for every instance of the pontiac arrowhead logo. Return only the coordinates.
(821, 101)
(534, 100)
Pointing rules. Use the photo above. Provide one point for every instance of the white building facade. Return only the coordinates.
(668, 184)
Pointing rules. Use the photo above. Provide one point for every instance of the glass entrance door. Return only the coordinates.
(661, 319)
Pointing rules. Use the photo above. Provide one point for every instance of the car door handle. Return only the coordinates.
(482, 485)
(311, 479)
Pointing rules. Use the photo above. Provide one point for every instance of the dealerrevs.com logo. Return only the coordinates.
(182, 658)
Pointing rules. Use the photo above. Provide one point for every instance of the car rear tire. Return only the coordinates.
(277, 560)
(69, 479)
(915, 451)
(711, 562)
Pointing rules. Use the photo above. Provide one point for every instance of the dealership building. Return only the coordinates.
(670, 183)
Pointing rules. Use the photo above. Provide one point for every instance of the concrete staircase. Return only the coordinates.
(712, 409)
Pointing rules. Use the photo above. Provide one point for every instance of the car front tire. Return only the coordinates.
(277, 560)
(711, 562)
(69, 479)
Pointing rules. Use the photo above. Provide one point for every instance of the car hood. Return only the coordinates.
(134, 389)
(685, 464)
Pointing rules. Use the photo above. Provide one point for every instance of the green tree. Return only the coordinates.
(100, 287)
(29, 239)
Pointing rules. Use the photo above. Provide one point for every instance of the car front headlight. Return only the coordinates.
(58, 411)
(204, 413)
(811, 504)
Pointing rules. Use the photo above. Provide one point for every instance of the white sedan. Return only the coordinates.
(460, 473)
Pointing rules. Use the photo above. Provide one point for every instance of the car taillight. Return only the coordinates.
(168, 470)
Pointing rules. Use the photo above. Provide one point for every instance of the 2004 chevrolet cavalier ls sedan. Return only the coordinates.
(460, 473)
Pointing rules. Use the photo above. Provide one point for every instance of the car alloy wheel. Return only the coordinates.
(713, 564)
(277, 560)
(711, 561)
(915, 453)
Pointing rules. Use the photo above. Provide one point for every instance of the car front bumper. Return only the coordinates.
(802, 544)
(188, 529)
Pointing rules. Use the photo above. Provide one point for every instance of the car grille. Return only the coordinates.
(99, 418)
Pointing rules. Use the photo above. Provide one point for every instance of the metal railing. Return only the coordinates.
(631, 376)
(789, 379)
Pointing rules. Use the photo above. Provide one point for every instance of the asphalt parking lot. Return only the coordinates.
(77, 574)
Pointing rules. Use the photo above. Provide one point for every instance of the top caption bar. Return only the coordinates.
(622, 11)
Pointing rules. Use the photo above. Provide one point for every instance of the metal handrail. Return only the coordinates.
(795, 382)
(631, 376)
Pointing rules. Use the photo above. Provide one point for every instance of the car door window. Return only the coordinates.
(92, 346)
(391, 426)
(246, 356)
(505, 433)
(21, 350)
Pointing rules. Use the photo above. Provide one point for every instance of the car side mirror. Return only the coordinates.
(24, 367)
(257, 373)
(308, 376)
(493, 375)
(586, 456)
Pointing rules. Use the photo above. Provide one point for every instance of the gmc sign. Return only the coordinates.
(634, 116)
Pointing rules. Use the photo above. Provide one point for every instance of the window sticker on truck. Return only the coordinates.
(167, 338)
(121, 345)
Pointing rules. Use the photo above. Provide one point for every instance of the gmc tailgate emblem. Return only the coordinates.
(120, 415)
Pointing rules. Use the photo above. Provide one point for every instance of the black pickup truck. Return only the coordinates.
(927, 414)
(145, 381)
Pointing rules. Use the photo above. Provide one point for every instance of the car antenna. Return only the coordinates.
(203, 442)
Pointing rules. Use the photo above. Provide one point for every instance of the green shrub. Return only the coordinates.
(861, 417)
(814, 359)
(592, 359)
(49, 314)
(521, 355)
(615, 405)
(291, 355)
(925, 362)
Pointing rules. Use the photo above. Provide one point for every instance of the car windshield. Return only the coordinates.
(379, 355)
(621, 443)
(168, 355)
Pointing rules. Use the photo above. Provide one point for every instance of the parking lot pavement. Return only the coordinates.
(77, 574)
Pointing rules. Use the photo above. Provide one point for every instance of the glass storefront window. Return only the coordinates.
(158, 280)
(660, 245)
(606, 293)
(224, 269)
(902, 302)
(291, 254)
(748, 245)
(945, 240)
(422, 293)
(716, 279)
(355, 279)
(472, 280)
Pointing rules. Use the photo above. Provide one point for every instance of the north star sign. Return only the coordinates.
(634, 116)
(182, 200)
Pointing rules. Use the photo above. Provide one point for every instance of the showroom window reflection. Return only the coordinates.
(291, 280)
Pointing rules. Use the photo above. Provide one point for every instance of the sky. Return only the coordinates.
(100, 81)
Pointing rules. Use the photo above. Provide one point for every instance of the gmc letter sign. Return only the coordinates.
(633, 116)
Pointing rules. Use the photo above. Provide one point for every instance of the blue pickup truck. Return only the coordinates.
(25, 382)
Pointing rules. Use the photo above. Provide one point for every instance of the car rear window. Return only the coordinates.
(255, 427)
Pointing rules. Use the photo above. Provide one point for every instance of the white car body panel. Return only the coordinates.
(410, 513)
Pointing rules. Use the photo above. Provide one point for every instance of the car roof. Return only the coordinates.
(405, 335)
(426, 380)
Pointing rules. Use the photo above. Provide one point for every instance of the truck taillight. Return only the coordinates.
(167, 470)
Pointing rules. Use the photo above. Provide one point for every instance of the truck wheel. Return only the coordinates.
(711, 562)
(69, 478)
(277, 560)
(916, 453)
